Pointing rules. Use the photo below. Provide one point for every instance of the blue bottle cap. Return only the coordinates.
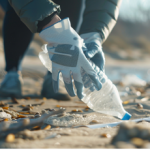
(127, 116)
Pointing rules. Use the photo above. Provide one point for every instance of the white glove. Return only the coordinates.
(65, 51)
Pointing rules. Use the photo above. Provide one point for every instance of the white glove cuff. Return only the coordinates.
(61, 33)
(91, 37)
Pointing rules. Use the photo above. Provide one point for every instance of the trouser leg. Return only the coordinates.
(17, 38)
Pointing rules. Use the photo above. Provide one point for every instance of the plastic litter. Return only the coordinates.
(115, 123)
(4, 115)
(106, 101)
(131, 79)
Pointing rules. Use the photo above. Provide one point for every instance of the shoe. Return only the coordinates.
(48, 92)
(11, 85)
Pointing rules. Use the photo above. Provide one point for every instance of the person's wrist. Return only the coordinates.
(55, 19)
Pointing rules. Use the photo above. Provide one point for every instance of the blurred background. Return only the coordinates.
(127, 49)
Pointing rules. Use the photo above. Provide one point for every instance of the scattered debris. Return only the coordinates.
(14, 100)
(5, 129)
(131, 79)
(44, 98)
(106, 135)
(145, 99)
(36, 128)
(4, 115)
(47, 127)
(76, 110)
(125, 102)
(139, 106)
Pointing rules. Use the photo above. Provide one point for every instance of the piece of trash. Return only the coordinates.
(21, 116)
(76, 110)
(36, 128)
(106, 135)
(24, 113)
(6, 119)
(145, 99)
(139, 106)
(123, 94)
(125, 102)
(44, 98)
(4, 115)
(134, 80)
(95, 126)
(14, 100)
(5, 108)
(138, 93)
(47, 127)
(10, 138)
(58, 106)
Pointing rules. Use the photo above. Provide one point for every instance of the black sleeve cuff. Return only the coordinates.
(44, 22)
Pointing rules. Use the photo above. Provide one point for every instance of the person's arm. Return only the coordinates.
(100, 16)
(36, 14)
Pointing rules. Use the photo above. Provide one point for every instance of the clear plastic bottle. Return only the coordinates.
(106, 100)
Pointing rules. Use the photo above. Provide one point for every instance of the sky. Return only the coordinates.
(134, 10)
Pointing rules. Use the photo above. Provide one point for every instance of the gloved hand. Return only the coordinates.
(66, 54)
(94, 50)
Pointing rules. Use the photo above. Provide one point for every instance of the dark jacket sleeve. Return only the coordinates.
(100, 16)
(33, 11)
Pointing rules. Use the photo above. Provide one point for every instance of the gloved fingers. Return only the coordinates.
(78, 84)
(92, 74)
(99, 60)
(55, 77)
(79, 87)
(95, 80)
(92, 49)
(68, 83)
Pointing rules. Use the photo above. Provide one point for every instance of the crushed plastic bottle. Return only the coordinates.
(106, 101)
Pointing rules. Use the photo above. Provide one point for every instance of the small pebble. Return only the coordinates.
(26, 122)
(139, 106)
(10, 138)
(137, 141)
(37, 115)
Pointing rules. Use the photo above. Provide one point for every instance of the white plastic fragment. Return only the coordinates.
(115, 123)
(4, 115)
(131, 79)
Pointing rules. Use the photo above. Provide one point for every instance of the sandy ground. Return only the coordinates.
(82, 137)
